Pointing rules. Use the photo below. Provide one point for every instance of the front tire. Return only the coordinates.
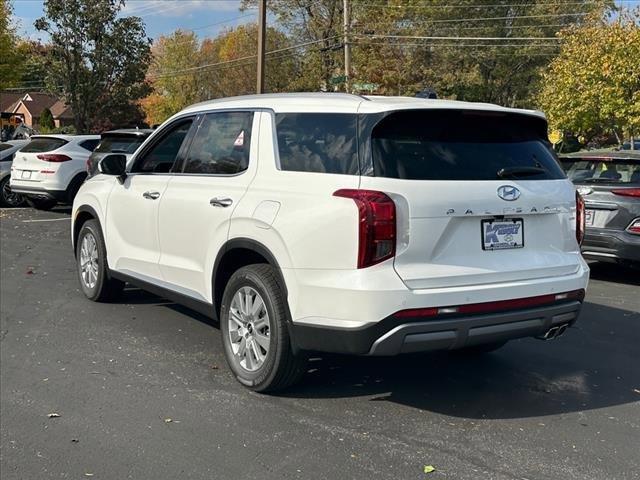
(91, 258)
(41, 203)
(255, 338)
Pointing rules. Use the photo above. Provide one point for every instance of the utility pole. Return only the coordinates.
(262, 29)
(347, 47)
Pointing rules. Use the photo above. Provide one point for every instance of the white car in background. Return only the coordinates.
(341, 223)
(51, 168)
(7, 152)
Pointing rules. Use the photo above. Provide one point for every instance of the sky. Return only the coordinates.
(162, 17)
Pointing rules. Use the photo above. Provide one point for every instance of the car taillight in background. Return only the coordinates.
(580, 219)
(634, 227)
(376, 225)
(54, 157)
(627, 192)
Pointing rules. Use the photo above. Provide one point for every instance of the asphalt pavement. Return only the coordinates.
(141, 390)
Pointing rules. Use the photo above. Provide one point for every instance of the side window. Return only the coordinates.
(318, 142)
(163, 153)
(90, 144)
(221, 144)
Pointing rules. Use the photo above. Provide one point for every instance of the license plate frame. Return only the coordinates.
(506, 240)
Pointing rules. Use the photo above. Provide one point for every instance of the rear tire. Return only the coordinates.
(42, 203)
(255, 337)
(91, 259)
(7, 197)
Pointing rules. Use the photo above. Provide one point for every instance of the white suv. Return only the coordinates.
(340, 223)
(50, 168)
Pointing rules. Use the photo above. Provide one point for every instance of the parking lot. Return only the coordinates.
(142, 391)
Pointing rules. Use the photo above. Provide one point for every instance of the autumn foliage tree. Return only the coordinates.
(593, 86)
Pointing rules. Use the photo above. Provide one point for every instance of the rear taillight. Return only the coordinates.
(376, 225)
(627, 192)
(579, 218)
(54, 157)
(634, 227)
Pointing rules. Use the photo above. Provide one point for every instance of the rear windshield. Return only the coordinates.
(43, 144)
(598, 170)
(5, 146)
(462, 145)
(119, 144)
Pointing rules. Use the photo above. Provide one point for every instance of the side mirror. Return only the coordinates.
(114, 164)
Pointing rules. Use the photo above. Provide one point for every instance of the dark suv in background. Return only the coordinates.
(124, 141)
(609, 182)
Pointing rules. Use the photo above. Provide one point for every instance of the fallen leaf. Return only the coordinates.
(30, 271)
(168, 420)
(87, 474)
(75, 440)
(214, 367)
(53, 415)
(429, 468)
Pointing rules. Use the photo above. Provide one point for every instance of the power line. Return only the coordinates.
(418, 37)
(495, 5)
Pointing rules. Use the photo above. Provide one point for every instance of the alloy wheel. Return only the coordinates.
(249, 328)
(89, 261)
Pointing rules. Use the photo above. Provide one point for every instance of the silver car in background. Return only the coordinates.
(8, 150)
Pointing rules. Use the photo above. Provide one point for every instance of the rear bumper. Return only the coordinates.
(611, 245)
(38, 192)
(392, 336)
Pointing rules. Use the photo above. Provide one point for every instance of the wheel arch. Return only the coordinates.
(237, 253)
(83, 214)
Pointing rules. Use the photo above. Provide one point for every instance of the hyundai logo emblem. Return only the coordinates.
(508, 193)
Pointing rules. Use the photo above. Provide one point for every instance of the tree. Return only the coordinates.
(11, 61)
(98, 60)
(46, 120)
(593, 85)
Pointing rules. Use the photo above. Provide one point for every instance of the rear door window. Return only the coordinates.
(89, 145)
(462, 145)
(318, 142)
(43, 144)
(221, 144)
(119, 144)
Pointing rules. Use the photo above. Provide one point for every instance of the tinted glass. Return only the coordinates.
(89, 144)
(462, 145)
(119, 144)
(44, 144)
(318, 142)
(5, 146)
(163, 154)
(582, 170)
(221, 144)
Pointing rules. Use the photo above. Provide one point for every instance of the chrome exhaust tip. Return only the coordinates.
(554, 332)
(561, 330)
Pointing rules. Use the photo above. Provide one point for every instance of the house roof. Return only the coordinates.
(8, 100)
(36, 102)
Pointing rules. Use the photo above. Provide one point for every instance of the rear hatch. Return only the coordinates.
(480, 197)
(610, 185)
(37, 160)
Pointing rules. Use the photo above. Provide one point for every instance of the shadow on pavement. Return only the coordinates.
(611, 272)
(593, 365)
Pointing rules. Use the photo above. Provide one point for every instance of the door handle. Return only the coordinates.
(220, 202)
(151, 195)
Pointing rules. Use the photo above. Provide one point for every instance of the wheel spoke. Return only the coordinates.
(257, 351)
(242, 347)
(235, 316)
(257, 305)
(262, 340)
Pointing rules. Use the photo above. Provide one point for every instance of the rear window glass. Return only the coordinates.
(119, 144)
(583, 170)
(44, 144)
(89, 144)
(318, 142)
(5, 146)
(462, 145)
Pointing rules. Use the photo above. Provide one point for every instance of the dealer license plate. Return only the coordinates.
(502, 234)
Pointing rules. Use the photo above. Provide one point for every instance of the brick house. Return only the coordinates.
(31, 105)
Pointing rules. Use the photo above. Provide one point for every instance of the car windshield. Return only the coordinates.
(601, 170)
(119, 144)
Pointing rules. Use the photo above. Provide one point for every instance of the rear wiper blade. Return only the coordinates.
(513, 172)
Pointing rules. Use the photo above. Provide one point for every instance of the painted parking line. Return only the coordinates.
(46, 220)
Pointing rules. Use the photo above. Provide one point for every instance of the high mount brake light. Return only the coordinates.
(54, 157)
(580, 218)
(376, 225)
